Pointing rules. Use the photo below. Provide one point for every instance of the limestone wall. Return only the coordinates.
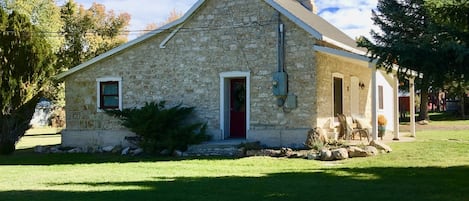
(223, 36)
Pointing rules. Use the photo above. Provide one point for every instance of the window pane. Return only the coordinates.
(111, 101)
(110, 88)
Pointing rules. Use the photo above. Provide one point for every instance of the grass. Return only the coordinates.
(433, 167)
(40, 136)
(441, 119)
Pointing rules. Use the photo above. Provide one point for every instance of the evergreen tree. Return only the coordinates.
(452, 16)
(26, 64)
(407, 38)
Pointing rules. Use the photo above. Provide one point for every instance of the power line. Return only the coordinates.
(144, 31)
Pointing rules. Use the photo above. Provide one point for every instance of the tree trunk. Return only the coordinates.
(13, 126)
(463, 105)
(423, 114)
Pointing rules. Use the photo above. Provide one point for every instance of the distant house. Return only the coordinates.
(260, 70)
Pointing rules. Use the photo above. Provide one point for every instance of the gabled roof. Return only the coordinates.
(292, 9)
(131, 43)
(315, 25)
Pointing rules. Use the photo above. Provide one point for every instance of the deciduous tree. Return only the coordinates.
(405, 39)
(44, 14)
(89, 32)
(173, 15)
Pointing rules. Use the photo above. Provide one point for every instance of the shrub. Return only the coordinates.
(382, 121)
(163, 128)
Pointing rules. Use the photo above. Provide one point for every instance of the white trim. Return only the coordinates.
(396, 106)
(374, 106)
(341, 53)
(343, 46)
(131, 43)
(108, 79)
(223, 77)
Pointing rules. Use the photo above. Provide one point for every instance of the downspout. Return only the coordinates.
(280, 82)
(285, 99)
(281, 47)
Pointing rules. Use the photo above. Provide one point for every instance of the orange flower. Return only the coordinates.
(382, 121)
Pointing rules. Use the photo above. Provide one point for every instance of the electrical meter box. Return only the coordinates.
(279, 84)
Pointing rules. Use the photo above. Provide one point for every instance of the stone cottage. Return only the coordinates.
(260, 70)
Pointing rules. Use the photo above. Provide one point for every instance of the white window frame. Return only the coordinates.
(98, 95)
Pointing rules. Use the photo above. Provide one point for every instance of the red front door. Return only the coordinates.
(238, 108)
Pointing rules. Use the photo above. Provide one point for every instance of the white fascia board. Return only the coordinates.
(343, 46)
(132, 42)
(295, 20)
(342, 53)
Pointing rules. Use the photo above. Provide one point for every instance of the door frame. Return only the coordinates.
(225, 78)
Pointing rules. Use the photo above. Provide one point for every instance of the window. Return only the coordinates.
(381, 97)
(338, 96)
(109, 94)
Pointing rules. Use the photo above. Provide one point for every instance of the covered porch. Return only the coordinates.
(379, 101)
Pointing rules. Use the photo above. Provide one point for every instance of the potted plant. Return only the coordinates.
(382, 121)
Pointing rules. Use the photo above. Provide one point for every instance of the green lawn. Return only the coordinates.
(441, 119)
(434, 167)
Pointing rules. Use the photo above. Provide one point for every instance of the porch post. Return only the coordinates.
(396, 107)
(412, 105)
(374, 108)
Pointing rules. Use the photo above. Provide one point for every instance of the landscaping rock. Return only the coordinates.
(313, 156)
(263, 152)
(94, 149)
(356, 152)
(55, 150)
(117, 149)
(137, 151)
(125, 151)
(300, 154)
(164, 152)
(40, 149)
(340, 154)
(108, 148)
(75, 150)
(326, 155)
(381, 146)
(286, 152)
(371, 151)
(177, 153)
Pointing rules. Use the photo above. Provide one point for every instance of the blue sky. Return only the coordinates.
(352, 17)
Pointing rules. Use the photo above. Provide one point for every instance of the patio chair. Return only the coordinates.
(347, 131)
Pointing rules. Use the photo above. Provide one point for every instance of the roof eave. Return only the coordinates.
(295, 19)
(316, 34)
(345, 54)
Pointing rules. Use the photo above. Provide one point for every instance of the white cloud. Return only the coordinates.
(143, 12)
(352, 17)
